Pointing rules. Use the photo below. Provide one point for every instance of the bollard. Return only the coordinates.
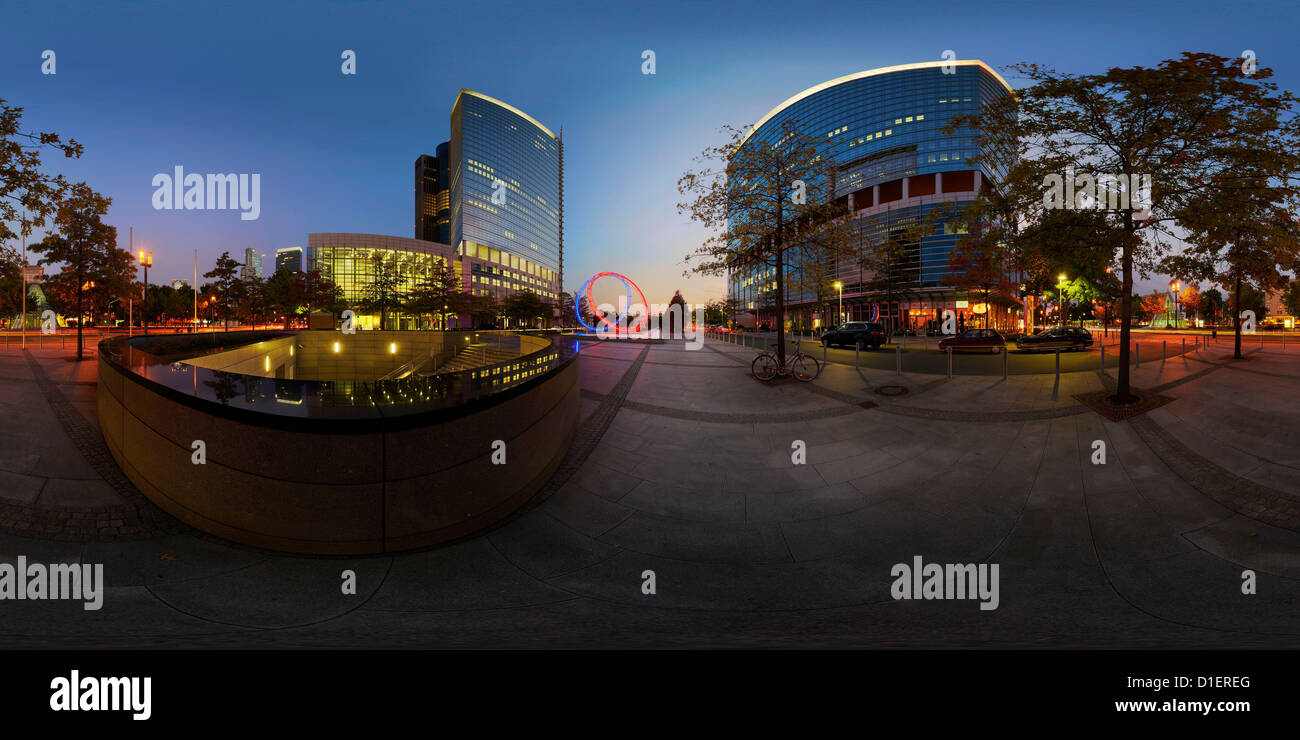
(1058, 364)
(1004, 362)
(857, 347)
(1103, 358)
(1137, 355)
(1162, 351)
(1184, 346)
(950, 363)
(823, 353)
(898, 359)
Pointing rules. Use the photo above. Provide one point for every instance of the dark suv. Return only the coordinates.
(853, 332)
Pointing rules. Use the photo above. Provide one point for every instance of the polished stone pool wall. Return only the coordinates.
(405, 464)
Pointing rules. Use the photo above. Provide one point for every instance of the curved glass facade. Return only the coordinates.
(498, 150)
(883, 130)
(348, 260)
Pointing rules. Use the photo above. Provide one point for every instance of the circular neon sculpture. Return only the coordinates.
(628, 286)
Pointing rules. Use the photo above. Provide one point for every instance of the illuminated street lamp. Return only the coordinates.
(840, 287)
(146, 259)
(1109, 307)
(1175, 288)
(1061, 280)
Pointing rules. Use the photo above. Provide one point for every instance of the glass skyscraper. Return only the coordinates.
(892, 164)
(252, 264)
(506, 197)
(432, 197)
(289, 258)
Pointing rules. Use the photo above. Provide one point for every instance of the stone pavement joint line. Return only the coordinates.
(136, 519)
(589, 433)
(1246, 497)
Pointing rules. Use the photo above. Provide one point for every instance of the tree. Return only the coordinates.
(586, 310)
(294, 294)
(227, 286)
(1211, 305)
(482, 309)
(764, 197)
(1077, 244)
(253, 301)
(1190, 299)
(437, 293)
(564, 303)
(87, 249)
(976, 265)
(719, 311)
(524, 306)
(11, 283)
(384, 292)
(887, 265)
(1081, 291)
(28, 196)
(673, 323)
(1291, 298)
(279, 291)
(1154, 305)
(1241, 237)
(1175, 125)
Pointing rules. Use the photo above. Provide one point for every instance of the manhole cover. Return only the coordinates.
(892, 390)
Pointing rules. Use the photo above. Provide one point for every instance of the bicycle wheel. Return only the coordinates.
(764, 367)
(805, 367)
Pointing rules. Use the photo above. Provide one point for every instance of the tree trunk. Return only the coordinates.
(780, 289)
(80, 277)
(1123, 392)
(1236, 318)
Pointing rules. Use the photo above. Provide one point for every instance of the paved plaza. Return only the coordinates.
(683, 466)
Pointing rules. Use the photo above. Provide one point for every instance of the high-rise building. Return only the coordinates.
(505, 177)
(432, 198)
(891, 165)
(252, 264)
(289, 258)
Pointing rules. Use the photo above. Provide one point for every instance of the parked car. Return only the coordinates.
(975, 340)
(1061, 337)
(850, 333)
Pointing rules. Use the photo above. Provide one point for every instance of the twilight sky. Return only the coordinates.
(256, 87)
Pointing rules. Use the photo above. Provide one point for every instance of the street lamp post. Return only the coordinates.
(1174, 289)
(1108, 310)
(1060, 290)
(146, 259)
(840, 316)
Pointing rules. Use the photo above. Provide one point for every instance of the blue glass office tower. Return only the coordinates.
(882, 130)
(506, 197)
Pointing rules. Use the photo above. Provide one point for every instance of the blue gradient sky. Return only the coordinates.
(256, 87)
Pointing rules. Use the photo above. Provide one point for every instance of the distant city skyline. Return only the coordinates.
(200, 88)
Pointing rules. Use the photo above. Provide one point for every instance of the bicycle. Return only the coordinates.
(801, 365)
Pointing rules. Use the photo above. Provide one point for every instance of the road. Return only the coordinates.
(921, 354)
